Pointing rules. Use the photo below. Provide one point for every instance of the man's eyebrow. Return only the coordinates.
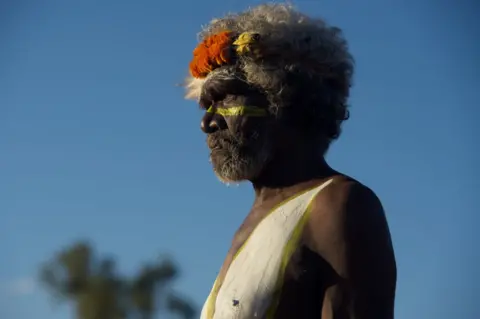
(205, 102)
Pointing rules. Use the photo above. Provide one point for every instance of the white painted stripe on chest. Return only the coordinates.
(249, 285)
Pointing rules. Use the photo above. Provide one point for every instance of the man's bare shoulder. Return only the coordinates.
(344, 207)
(345, 195)
(349, 230)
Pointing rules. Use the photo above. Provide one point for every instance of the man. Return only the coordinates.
(274, 85)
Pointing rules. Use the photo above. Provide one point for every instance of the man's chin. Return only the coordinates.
(228, 181)
(230, 171)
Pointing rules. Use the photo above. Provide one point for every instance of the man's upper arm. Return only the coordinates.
(352, 234)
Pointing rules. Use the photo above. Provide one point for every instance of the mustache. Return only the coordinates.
(222, 139)
(225, 139)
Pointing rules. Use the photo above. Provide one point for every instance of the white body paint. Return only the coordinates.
(249, 285)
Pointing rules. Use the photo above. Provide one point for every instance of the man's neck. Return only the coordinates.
(286, 175)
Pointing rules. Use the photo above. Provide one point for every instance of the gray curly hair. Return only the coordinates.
(305, 73)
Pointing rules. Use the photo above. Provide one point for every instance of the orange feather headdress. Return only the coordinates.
(213, 52)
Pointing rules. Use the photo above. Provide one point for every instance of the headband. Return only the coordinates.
(221, 49)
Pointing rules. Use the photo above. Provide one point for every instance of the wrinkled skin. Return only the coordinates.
(240, 146)
(345, 266)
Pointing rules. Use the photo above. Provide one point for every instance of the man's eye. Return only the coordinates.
(205, 102)
(203, 105)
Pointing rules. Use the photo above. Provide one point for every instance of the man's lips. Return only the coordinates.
(218, 142)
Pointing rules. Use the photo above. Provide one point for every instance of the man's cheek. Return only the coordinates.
(253, 125)
(237, 125)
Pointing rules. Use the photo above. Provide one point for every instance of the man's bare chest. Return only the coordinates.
(240, 237)
(301, 265)
(266, 255)
(304, 282)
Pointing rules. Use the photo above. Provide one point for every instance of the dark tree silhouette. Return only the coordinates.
(97, 291)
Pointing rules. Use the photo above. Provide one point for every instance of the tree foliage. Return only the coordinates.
(97, 291)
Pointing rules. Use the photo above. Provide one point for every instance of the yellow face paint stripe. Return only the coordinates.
(239, 111)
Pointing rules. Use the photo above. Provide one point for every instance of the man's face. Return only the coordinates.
(240, 145)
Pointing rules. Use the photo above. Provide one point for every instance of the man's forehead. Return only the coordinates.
(223, 90)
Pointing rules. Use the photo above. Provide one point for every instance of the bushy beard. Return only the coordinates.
(235, 159)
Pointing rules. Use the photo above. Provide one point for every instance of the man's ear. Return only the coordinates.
(289, 122)
(282, 133)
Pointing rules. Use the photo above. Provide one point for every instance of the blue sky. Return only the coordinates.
(97, 142)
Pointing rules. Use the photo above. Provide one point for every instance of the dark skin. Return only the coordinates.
(345, 266)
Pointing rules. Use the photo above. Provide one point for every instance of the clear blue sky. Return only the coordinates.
(97, 142)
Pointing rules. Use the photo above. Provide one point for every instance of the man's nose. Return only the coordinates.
(212, 122)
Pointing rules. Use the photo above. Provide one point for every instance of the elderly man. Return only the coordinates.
(274, 84)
